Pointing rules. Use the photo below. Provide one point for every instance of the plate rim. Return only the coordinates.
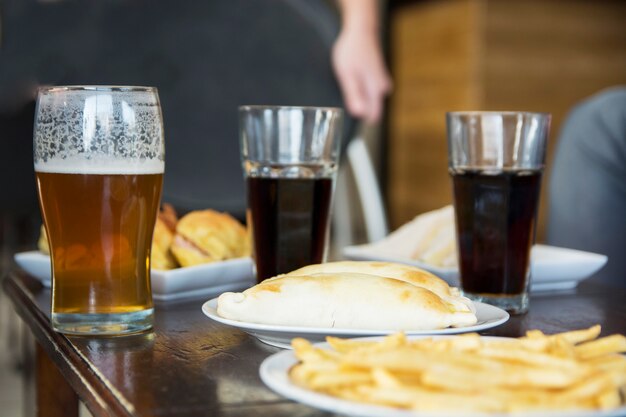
(168, 273)
(209, 308)
(201, 292)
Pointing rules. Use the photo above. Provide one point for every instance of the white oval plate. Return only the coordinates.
(192, 282)
(552, 268)
(274, 373)
(280, 336)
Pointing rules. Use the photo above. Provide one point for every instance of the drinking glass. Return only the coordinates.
(290, 157)
(99, 161)
(496, 161)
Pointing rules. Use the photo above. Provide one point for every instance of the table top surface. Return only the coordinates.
(191, 366)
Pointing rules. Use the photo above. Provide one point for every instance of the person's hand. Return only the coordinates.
(360, 69)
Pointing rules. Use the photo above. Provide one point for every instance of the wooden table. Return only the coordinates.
(192, 366)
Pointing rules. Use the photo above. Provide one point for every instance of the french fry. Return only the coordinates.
(587, 388)
(578, 336)
(423, 399)
(609, 399)
(346, 345)
(614, 365)
(330, 379)
(606, 345)
(517, 355)
(453, 376)
(567, 371)
(560, 347)
(305, 350)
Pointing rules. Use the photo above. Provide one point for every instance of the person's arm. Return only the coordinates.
(358, 60)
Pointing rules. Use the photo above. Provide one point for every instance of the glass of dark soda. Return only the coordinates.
(496, 160)
(289, 156)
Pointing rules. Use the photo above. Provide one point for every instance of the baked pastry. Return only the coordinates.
(161, 256)
(402, 272)
(42, 243)
(343, 300)
(209, 236)
(168, 216)
(407, 273)
(410, 274)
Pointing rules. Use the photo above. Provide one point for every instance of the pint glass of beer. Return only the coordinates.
(99, 161)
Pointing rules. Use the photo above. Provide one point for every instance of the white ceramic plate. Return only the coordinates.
(274, 373)
(36, 264)
(200, 281)
(280, 336)
(552, 268)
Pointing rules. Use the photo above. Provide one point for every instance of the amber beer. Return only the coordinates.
(99, 154)
(100, 231)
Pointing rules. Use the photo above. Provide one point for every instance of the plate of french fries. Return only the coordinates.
(575, 373)
(429, 242)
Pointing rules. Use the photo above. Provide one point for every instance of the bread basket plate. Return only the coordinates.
(552, 268)
(280, 336)
(274, 372)
(200, 281)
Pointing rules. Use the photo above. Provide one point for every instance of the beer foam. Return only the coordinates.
(98, 130)
(100, 166)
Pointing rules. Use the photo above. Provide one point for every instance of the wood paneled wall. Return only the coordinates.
(534, 55)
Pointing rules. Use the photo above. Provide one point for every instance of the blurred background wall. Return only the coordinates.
(445, 55)
(534, 55)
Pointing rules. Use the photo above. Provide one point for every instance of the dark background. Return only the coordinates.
(205, 57)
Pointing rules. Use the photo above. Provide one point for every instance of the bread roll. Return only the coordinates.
(209, 236)
(345, 301)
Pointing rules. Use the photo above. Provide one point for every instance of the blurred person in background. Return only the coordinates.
(206, 59)
(587, 188)
(358, 60)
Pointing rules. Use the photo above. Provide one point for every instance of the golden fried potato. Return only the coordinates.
(567, 371)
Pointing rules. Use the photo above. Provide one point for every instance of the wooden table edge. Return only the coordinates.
(80, 374)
